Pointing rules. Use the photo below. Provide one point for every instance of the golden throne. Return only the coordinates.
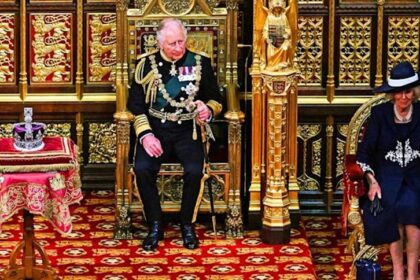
(354, 184)
(212, 32)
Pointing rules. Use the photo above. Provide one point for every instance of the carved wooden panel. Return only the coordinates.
(7, 49)
(62, 129)
(310, 50)
(51, 1)
(310, 156)
(338, 160)
(403, 40)
(102, 142)
(6, 130)
(355, 50)
(101, 47)
(51, 48)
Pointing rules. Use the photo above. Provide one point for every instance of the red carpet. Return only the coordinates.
(90, 253)
(328, 247)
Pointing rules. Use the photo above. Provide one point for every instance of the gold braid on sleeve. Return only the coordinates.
(146, 81)
(215, 106)
(141, 123)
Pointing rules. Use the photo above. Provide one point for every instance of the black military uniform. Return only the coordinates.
(161, 99)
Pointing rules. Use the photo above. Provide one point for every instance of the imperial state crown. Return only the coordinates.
(28, 135)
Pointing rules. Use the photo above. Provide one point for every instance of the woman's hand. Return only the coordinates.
(374, 187)
(152, 146)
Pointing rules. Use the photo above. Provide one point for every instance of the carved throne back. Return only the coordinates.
(206, 25)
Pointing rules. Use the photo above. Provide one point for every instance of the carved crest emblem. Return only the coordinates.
(279, 86)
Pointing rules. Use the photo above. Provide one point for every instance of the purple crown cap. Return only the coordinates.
(28, 135)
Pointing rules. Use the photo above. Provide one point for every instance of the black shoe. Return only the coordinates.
(188, 236)
(155, 234)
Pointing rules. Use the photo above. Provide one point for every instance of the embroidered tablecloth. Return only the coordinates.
(43, 182)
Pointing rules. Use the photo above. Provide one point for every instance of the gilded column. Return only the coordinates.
(123, 120)
(79, 135)
(275, 39)
(234, 225)
(257, 159)
(276, 220)
(329, 161)
(79, 60)
(291, 160)
(257, 122)
(331, 31)
(23, 75)
(379, 40)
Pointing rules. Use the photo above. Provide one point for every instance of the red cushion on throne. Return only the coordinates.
(353, 177)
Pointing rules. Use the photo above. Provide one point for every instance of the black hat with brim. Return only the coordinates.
(402, 77)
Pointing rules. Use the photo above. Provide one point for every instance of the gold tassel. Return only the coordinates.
(194, 134)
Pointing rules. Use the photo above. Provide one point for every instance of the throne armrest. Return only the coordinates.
(354, 177)
(354, 171)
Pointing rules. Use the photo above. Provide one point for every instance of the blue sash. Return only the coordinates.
(173, 85)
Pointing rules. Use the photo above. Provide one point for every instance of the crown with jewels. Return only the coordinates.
(28, 135)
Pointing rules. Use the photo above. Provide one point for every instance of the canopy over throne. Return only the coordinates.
(211, 32)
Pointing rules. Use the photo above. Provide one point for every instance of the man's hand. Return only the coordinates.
(203, 112)
(152, 146)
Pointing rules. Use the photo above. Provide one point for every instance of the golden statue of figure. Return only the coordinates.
(276, 34)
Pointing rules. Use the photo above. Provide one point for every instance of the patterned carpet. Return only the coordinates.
(328, 247)
(90, 252)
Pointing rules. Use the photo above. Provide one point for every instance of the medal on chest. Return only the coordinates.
(187, 73)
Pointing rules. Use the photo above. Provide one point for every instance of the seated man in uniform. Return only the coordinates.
(173, 91)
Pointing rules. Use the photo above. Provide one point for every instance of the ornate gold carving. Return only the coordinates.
(170, 189)
(306, 132)
(102, 41)
(51, 47)
(340, 157)
(310, 49)
(340, 153)
(355, 50)
(123, 132)
(7, 49)
(316, 157)
(121, 5)
(342, 129)
(306, 2)
(276, 34)
(232, 4)
(175, 7)
(403, 40)
(102, 142)
(62, 129)
(6, 130)
(141, 4)
(357, 121)
(201, 42)
(331, 44)
(205, 36)
(150, 43)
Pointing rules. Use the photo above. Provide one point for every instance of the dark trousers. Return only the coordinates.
(176, 140)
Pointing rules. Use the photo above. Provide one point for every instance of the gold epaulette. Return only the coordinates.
(145, 81)
(138, 74)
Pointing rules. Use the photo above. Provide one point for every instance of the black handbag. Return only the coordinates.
(367, 270)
